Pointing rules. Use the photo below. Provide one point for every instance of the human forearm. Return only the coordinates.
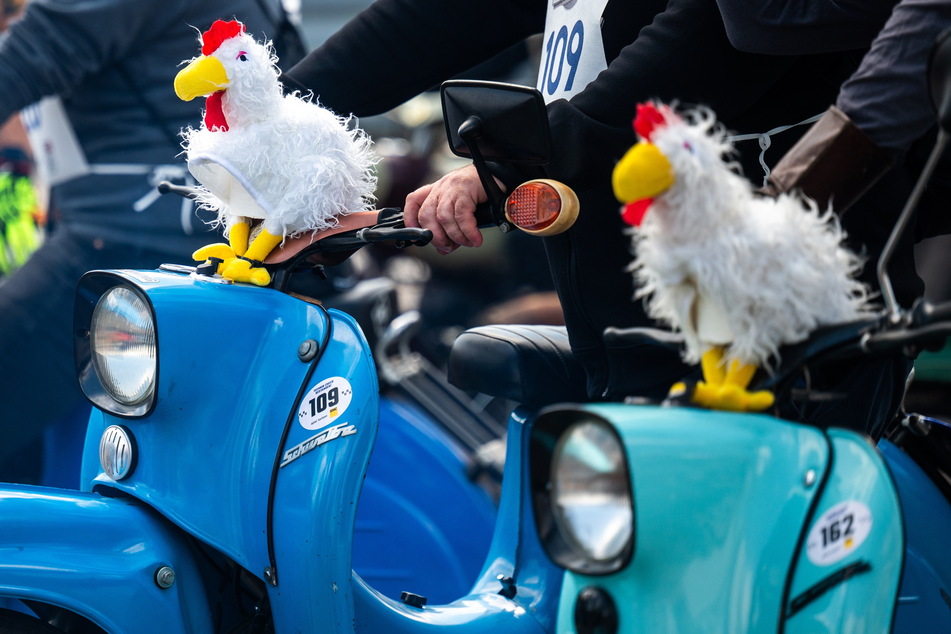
(396, 49)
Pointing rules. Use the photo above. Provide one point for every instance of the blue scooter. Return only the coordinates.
(227, 480)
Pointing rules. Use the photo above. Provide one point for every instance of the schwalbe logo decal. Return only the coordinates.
(331, 433)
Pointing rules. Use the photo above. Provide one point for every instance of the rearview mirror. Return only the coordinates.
(505, 122)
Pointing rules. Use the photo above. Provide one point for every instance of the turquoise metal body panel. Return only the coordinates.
(719, 501)
(725, 508)
(98, 557)
(857, 522)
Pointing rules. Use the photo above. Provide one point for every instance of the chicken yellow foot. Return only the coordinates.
(243, 269)
(227, 253)
(724, 388)
(218, 250)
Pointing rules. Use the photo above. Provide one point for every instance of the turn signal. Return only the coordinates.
(542, 207)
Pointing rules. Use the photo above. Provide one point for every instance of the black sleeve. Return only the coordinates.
(799, 27)
(396, 49)
(681, 56)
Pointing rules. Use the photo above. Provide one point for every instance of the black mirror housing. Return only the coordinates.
(506, 121)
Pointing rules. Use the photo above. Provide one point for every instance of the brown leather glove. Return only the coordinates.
(834, 161)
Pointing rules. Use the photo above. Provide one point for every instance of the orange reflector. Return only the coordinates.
(542, 207)
(533, 206)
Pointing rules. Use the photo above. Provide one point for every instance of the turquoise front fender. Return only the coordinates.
(98, 557)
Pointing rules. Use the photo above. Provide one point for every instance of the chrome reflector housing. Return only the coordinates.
(582, 492)
(591, 494)
(122, 336)
(116, 343)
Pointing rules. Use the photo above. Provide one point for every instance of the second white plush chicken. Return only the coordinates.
(739, 274)
(271, 165)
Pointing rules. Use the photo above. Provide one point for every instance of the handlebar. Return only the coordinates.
(184, 191)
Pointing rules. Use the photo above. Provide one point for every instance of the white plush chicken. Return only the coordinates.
(260, 155)
(739, 274)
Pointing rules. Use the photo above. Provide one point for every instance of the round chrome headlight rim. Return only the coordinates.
(117, 361)
(570, 537)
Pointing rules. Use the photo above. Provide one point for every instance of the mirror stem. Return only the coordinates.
(891, 304)
(470, 132)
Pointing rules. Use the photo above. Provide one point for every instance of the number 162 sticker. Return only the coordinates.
(838, 532)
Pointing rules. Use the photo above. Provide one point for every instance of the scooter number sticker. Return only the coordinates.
(325, 402)
(838, 533)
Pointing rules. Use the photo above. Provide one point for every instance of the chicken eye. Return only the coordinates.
(689, 147)
(243, 56)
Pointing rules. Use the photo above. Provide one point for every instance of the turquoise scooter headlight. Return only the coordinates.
(582, 492)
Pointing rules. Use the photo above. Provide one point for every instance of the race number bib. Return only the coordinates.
(572, 51)
(56, 152)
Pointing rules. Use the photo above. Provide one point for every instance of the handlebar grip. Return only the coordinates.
(928, 336)
(924, 313)
(166, 187)
(484, 216)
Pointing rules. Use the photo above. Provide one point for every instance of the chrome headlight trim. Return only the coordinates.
(566, 485)
(106, 389)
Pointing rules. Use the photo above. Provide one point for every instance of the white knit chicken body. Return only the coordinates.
(730, 269)
(262, 154)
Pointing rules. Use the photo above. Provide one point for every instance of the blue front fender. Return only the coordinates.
(98, 557)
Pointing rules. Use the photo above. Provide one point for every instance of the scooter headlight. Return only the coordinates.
(122, 336)
(116, 349)
(582, 492)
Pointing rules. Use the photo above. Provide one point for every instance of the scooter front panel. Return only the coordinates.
(719, 500)
(230, 372)
(847, 571)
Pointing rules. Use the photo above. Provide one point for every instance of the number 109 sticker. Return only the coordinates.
(838, 532)
(325, 403)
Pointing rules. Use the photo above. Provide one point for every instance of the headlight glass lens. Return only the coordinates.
(591, 492)
(122, 337)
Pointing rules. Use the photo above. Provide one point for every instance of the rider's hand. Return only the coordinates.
(447, 208)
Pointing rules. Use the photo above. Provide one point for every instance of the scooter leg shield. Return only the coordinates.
(107, 559)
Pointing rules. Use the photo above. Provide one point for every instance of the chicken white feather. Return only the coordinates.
(726, 266)
(281, 158)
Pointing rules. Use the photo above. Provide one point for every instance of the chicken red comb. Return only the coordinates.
(648, 118)
(218, 33)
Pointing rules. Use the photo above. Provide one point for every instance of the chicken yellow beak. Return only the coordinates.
(203, 76)
(644, 172)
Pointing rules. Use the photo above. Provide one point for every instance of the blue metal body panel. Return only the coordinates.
(923, 603)
(206, 453)
(514, 553)
(421, 524)
(98, 557)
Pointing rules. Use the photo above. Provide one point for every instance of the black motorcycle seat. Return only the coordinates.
(531, 365)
